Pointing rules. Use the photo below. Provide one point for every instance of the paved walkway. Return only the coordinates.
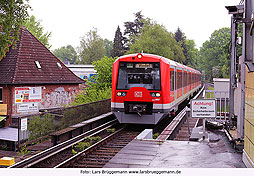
(178, 154)
(9, 134)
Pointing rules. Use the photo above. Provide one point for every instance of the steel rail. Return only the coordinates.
(62, 146)
(173, 128)
(88, 150)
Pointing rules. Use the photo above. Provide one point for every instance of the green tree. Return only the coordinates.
(91, 47)
(215, 52)
(133, 30)
(108, 45)
(12, 15)
(34, 26)
(101, 87)
(118, 48)
(180, 38)
(192, 53)
(104, 68)
(155, 39)
(66, 54)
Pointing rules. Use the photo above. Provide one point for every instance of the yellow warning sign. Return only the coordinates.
(3, 109)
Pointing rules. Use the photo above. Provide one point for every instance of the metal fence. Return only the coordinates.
(222, 101)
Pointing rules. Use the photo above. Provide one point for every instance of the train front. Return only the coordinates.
(136, 89)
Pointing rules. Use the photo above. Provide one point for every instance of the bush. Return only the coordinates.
(38, 126)
(100, 86)
(92, 94)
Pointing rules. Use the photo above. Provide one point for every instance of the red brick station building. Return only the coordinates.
(32, 78)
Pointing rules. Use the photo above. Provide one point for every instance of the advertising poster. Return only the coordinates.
(27, 94)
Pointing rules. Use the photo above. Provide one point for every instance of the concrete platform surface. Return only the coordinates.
(9, 134)
(178, 154)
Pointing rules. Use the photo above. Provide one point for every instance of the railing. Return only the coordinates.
(222, 101)
(62, 117)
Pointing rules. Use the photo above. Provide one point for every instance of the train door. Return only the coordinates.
(187, 84)
(185, 81)
(172, 84)
(182, 82)
(176, 82)
(179, 83)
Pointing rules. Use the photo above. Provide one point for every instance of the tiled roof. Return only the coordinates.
(19, 67)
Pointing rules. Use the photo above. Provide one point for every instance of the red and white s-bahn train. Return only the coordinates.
(147, 87)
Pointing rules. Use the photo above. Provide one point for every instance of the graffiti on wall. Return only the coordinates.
(59, 97)
(49, 96)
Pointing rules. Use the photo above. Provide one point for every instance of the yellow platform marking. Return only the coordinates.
(7, 161)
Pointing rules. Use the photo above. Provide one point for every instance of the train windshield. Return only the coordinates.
(135, 74)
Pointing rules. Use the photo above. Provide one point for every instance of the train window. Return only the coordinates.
(185, 79)
(139, 75)
(179, 79)
(172, 82)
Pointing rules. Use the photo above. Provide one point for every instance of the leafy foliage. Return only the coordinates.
(82, 146)
(34, 26)
(118, 48)
(188, 47)
(12, 15)
(100, 88)
(91, 47)
(92, 94)
(66, 54)
(40, 126)
(104, 68)
(108, 45)
(180, 38)
(23, 151)
(133, 30)
(192, 53)
(155, 39)
(215, 54)
(111, 130)
(88, 141)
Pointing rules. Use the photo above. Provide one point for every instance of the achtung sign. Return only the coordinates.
(204, 108)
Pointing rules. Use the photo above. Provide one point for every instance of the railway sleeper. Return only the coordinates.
(92, 162)
(86, 166)
(114, 146)
(100, 156)
(112, 149)
(105, 153)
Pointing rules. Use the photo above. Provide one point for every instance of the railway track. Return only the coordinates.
(62, 151)
(98, 155)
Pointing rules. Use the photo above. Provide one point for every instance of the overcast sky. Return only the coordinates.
(69, 20)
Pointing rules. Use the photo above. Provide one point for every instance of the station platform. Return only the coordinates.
(178, 154)
(9, 134)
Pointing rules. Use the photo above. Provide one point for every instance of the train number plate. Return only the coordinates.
(137, 94)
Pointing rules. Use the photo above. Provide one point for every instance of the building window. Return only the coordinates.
(1, 94)
(59, 65)
(38, 65)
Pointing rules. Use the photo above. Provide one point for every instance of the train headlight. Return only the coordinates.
(152, 94)
(121, 94)
(155, 94)
(139, 56)
(158, 94)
